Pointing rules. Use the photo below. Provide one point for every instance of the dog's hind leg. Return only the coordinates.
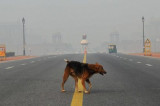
(76, 83)
(65, 77)
(90, 85)
(76, 79)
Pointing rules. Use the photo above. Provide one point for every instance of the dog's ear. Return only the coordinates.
(97, 66)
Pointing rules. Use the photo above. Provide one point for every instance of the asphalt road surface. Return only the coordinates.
(130, 81)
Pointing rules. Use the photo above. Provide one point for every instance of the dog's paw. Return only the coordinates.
(86, 92)
(79, 91)
(63, 90)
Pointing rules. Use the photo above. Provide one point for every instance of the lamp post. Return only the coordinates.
(23, 21)
(143, 33)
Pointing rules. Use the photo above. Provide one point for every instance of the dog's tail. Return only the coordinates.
(66, 60)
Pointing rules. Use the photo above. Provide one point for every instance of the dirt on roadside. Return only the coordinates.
(157, 55)
(16, 58)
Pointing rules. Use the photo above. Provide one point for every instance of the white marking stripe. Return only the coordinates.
(23, 64)
(9, 67)
(139, 62)
(130, 60)
(50, 57)
(148, 64)
(32, 61)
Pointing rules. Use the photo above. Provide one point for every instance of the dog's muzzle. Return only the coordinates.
(102, 73)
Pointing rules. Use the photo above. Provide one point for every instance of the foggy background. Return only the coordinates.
(57, 26)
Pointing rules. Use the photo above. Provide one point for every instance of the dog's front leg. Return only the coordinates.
(90, 85)
(84, 86)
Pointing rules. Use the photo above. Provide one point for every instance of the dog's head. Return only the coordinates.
(99, 69)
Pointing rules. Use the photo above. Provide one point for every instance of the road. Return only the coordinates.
(130, 81)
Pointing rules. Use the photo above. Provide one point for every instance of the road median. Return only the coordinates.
(156, 55)
(16, 58)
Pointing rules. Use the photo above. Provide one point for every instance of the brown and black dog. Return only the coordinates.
(82, 71)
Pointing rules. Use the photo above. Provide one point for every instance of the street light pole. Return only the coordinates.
(143, 33)
(23, 21)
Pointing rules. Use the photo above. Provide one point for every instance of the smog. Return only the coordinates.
(57, 26)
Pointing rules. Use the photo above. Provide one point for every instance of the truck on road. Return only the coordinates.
(112, 48)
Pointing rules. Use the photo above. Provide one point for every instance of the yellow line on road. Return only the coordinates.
(77, 99)
(85, 58)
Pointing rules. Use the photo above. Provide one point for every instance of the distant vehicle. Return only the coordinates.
(112, 48)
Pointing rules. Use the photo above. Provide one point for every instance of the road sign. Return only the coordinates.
(147, 48)
(2, 52)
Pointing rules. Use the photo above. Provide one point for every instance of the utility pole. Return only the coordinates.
(143, 33)
(24, 44)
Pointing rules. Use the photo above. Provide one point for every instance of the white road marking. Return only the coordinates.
(23, 64)
(125, 58)
(32, 61)
(50, 57)
(148, 65)
(139, 62)
(130, 59)
(9, 67)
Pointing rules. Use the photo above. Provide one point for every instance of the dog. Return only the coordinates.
(81, 71)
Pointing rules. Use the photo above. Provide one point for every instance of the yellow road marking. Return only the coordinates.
(77, 99)
(85, 58)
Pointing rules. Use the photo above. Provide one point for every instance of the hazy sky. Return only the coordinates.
(96, 18)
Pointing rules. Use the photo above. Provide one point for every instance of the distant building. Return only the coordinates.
(130, 46)
(57, 38)
(11, 36)
(153, 33)
(10, 33)
(114, 37)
